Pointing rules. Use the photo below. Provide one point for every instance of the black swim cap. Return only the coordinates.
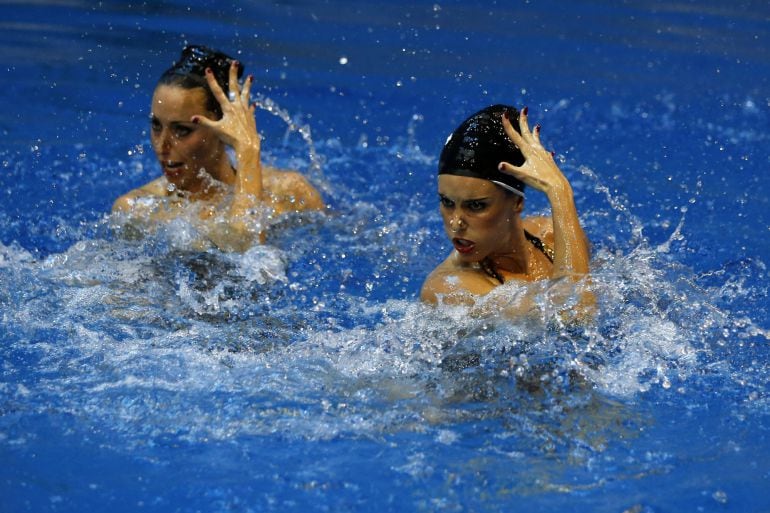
(479, 144)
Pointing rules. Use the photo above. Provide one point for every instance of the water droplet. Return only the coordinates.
(720, 496)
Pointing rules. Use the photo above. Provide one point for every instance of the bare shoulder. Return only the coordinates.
(540, 226)
(292, 186)
(155, 188)
(454, 284)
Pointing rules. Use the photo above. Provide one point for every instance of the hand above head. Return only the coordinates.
(539, 170)
(237, 127)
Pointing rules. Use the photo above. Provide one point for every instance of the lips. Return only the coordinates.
(463, 246)
(172, 168)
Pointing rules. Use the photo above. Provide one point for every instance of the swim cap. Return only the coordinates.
(196, 58)
(479, 144)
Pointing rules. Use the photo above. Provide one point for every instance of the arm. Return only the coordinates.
(540, 172)
(237, 128)
(127, 202)
(453, 286)
(571, 246)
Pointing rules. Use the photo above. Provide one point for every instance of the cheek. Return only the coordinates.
(491, 224)
(201, 144)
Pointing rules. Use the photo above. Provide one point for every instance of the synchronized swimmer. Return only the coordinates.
(482, 173)
(483, 170)
(193, 121)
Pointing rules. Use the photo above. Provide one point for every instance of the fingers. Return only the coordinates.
(234, 91)
(526, 137)
(246, 91)
(526, 176)
(512, 134)
(234, 79)
(216, 89)
(203, 121)
(523, 124)
(512, 170)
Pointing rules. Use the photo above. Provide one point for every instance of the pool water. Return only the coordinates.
(143, 374)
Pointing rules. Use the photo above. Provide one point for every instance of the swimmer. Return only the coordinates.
(192, 122)
(482, 173)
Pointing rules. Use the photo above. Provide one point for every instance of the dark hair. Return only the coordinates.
(189, 72)
(479, 144)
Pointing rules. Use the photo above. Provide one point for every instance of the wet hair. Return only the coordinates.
(189, 72)
(479, 144)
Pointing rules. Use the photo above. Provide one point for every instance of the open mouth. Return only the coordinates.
(172, 168)
(463, 245)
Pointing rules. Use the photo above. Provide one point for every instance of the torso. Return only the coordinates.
(476, 280)
(156, 202)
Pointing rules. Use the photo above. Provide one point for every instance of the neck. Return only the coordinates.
(210, 184)
(515, 258)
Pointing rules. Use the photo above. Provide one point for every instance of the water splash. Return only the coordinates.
(315, 170)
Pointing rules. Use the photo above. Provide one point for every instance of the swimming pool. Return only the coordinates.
(140, 375)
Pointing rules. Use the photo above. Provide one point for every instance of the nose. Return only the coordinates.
(457, 223)
(165, 140)
(162, 141)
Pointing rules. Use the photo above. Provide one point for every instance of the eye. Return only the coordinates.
(155, 125)
(476, 205)
(182, 131)
(446, 202)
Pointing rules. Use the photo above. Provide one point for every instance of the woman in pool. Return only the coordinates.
(193, 121)
(483, 170)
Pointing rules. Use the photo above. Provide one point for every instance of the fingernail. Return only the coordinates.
(537, 128)
(500, 166)
(196, 120)
(553, 153)
(251, 78)
(208, 71)
(525, 110)
(505, 114)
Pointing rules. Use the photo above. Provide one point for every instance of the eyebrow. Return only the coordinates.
(153, 117)
(465, 200)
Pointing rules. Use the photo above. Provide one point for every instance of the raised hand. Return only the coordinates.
(539, 170)
(238, 128)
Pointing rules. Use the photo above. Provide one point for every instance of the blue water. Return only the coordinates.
(304, 375)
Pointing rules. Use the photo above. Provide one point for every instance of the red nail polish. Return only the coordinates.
(196, 120)
(208, 71)
(251, 78)
(537, 128)
(525, 110)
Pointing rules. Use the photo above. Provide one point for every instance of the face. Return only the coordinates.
(182, 147)
(479, 216)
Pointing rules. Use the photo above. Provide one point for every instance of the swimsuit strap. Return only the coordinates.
(539, 244)
(487, 267)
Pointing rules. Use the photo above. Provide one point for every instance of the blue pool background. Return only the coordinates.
(140, 375)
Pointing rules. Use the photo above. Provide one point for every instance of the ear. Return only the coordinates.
(518, 205)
